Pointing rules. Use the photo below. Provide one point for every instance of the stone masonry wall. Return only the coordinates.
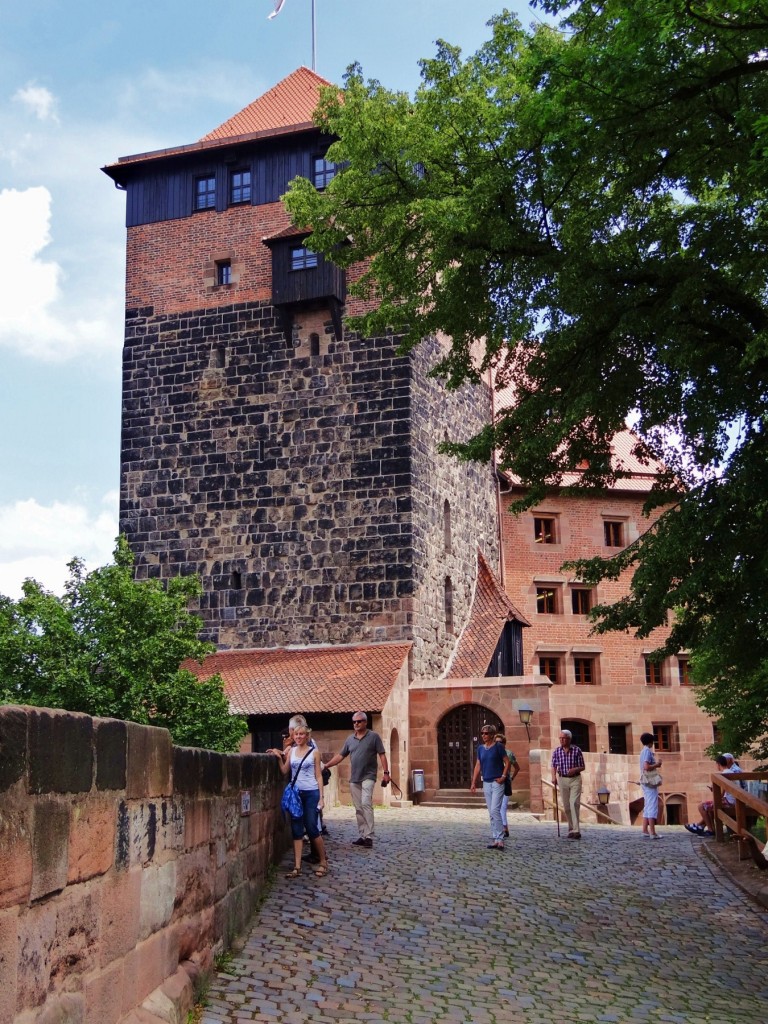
(469, 489)
(124, 861)
(280, 477)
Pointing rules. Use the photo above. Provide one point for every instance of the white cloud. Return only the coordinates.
(30, 286)
(38, 100)
(37, 541)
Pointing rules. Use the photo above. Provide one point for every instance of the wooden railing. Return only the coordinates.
(747, 808)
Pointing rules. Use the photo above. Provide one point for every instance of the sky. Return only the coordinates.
(81, 84)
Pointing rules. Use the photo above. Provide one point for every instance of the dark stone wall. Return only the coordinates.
(304, 489)
(282, 478)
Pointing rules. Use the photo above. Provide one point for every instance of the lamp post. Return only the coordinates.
(526, 714)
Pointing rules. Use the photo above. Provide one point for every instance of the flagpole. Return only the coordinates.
(314, 45)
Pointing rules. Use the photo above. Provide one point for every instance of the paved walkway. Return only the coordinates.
(430, 926)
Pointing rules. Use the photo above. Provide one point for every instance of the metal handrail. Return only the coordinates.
(592, 807)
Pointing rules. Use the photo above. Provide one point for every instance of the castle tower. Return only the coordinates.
(287, 461)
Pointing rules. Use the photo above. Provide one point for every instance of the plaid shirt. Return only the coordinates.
(563, 760)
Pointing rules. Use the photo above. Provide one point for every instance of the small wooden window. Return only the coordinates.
(223, 272)
(240, 187)
(654, 676)
(581, 600)
(547, 600)
(324, 172)
(584, 671)
(683, 670)
(205, 193)
(544, 530)
(550, 666)
(666, 737)
(302, 258)
(613, 530)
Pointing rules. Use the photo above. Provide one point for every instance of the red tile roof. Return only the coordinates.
(289, 104)
(491, 608)
(307, 679)
(286, 107)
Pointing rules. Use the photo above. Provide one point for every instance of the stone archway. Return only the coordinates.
(458, 734)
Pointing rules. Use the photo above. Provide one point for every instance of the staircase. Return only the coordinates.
(456, 798)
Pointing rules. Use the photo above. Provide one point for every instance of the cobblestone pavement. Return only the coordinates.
(429, 925)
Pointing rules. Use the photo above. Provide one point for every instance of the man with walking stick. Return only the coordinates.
(567, 766)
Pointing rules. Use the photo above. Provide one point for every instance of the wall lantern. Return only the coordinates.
(603, 796)
(526, 714)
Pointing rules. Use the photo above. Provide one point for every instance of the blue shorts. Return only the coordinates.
(310, 798)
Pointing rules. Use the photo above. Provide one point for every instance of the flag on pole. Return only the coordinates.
(278, 8)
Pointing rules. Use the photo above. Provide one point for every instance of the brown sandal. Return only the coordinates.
(321, 872)
(293, 874)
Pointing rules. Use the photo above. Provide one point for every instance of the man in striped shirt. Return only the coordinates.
(567, 766)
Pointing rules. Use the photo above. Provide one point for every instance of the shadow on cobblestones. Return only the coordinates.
(431, 926)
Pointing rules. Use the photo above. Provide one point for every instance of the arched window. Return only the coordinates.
(448, 603)
(447, 526)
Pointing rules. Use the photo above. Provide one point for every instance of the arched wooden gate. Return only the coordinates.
(458, 735)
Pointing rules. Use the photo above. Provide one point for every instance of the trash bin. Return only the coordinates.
(417, 783)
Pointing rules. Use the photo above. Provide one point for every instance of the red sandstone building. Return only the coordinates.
(292, 465)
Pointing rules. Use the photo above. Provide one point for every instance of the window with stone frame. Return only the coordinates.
(654, 673)
(223, 272)
(683, 670)
(545, 529)
(581, 600)
(613, 533)
(551, 665)
(666, 737)
(585, 670)
(549, 599)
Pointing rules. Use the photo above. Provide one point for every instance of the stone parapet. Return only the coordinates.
(124, 862)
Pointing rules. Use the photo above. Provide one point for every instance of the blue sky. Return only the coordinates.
(82, 83)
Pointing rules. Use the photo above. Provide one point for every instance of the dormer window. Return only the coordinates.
(302, 258)
(205, 193)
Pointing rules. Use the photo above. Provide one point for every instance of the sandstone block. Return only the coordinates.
(149, 762)
(9, 946)
(158, 895)
(15, 856)
(60, 751)
(50, 847)
(111, 753)
(13, 746)
(91, 839)
(120, 914)
(102, 995)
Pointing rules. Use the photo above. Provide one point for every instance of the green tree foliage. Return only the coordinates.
(585, 205)
(112, 647)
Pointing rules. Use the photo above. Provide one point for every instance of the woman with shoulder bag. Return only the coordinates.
(650, 780)
(303, 762)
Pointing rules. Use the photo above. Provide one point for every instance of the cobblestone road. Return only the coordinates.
(430, 926)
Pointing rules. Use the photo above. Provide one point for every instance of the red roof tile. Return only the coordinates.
(288, 104)
(308, 679)
(491, 608)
